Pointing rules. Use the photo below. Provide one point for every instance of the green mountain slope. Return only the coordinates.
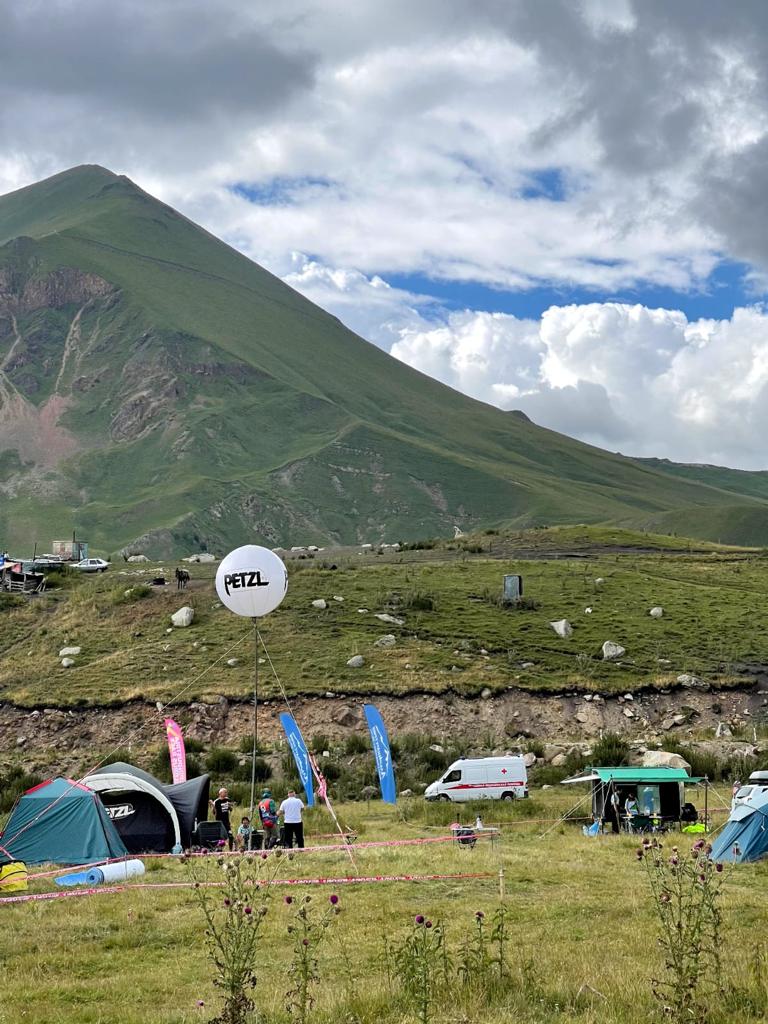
(158, 388)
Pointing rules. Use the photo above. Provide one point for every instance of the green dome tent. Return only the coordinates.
(62, 822)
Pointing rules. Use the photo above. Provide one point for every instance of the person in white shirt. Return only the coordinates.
(293, 827)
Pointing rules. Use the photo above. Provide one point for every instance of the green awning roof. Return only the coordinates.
(638, 775)
(642, 774)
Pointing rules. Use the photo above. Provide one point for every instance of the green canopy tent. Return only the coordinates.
(659, 792)
(62, 822)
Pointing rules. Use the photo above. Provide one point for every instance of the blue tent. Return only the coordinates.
(746, 830)
(62, 822)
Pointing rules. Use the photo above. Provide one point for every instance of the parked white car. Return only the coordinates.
(482, 778)
(91, 565)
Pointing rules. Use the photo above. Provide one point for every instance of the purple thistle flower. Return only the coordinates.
(289, 900)
(479, 915)
(247, 910)
(333, 899)
(639, 854)
(718, 867)
(264, 856)
(227, 901)
(200, 1003)
(305, 942)
(419, 919)
(427, 924)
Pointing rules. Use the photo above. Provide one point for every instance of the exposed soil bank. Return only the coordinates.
(61, 740)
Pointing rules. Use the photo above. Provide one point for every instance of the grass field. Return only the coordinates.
(454, 637)
(583, 948)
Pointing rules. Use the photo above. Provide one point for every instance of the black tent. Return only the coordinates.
(149, 815)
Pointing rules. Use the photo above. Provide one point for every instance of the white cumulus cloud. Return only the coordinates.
(647, 381)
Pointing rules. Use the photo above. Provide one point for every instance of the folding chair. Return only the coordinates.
(210, 834)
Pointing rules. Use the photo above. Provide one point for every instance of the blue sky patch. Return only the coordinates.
(280, 191)
(725, 289)
(548, 183)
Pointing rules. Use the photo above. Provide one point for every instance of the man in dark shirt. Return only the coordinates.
(222, 805)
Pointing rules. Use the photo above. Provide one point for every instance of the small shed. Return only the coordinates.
(659, 792)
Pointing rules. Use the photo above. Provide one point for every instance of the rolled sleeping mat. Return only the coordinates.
(79, 878)
(121, 871)
(94, 877)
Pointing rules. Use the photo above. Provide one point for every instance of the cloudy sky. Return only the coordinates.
(558, 206)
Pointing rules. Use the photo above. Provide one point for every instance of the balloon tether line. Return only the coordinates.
(255, 726)
(322, 788)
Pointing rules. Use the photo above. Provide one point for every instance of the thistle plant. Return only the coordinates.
(686, 890)
(499, 942)
(233, 913)
(474, 959)
(422, 964)
(308, 927)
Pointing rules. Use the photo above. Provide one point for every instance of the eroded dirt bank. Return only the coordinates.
(61, 740)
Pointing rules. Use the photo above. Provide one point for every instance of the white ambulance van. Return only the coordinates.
(482, 778)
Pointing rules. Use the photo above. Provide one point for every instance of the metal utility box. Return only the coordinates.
(513, 588)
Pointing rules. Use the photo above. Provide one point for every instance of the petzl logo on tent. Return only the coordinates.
(381, 753)
(118, 811)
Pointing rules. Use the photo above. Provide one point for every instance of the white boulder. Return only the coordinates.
(691, 682)
(232, 662)
(137, 558)
(384, 617)
(319, 603)
(357, 661)
(184, 616)
(69, 652)
(656, 612)
(386, 641)
(562, 627)
(67, 663)
(664, 759)
(529, 759)
(612, 650)
(338, 597)
(205, 557)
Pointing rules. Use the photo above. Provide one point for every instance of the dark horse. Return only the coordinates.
(182, 579)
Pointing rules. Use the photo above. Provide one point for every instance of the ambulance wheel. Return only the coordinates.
(445, 798)
(507, 796)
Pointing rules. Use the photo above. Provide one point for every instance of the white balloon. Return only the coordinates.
(251, 581)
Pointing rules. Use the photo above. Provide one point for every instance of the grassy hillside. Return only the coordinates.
(158, 387)
(454, 636)
(739, 481)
